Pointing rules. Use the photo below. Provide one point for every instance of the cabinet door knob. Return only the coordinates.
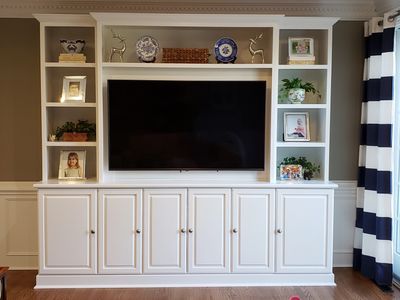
(92, 231)
(234, 230)
(183, 230)
(138, 231)
(279, 231)
(190, 230)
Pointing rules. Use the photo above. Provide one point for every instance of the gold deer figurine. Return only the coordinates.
(118, 51)
(255, 52)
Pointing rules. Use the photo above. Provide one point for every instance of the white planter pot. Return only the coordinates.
(296, 95)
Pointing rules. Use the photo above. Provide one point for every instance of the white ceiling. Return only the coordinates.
(346, 9)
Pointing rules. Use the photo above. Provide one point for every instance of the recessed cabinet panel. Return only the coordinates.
(164, 231)
(208, 230)
(67, 231)
(120, 231)
(253, 226)
(304, 231)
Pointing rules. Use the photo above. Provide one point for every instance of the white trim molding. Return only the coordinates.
(347, 10)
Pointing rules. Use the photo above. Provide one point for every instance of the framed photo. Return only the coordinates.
(291, 172)
(72, 164)
(296, 126)
(74, 88)
(301, 48)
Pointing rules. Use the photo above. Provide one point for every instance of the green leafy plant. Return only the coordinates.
(82, 126)
(309, 168)
(297, 83)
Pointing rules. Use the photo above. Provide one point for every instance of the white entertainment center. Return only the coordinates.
(184, 228)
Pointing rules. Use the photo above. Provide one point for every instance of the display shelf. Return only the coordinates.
(69, 65)
(55, 77)
(300, 144)
(54, 34)
(77, 104)
(301, 106)
(189, 37)
(315, 155)
(318, 77)
(321, 45)
(53, 161)
(185, 66)
(317, 124)
(54, 28)
(71, 144)
(303, 67)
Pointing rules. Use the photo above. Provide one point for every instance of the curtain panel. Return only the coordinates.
(373, 254)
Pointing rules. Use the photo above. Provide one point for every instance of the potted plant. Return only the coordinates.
(295, 90)
(309, 168)
(76, 132)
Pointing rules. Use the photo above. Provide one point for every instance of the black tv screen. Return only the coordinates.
(186, 125)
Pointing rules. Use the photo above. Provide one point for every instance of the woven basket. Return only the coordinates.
(185, 55)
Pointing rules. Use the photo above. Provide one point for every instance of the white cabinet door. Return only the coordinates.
(304, 231)
(208, 230)
(120, 231)
(67, 235)
(164, 231)
(253, 226)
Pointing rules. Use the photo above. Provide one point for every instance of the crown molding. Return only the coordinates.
(346, 10)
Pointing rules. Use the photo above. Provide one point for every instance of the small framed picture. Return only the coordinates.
(291, 172)
(301, 48)
(296, 126)
(74, 88)
(72, 164)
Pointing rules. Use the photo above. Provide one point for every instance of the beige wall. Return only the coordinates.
(20, 100)
(348, 60)
(20, 145)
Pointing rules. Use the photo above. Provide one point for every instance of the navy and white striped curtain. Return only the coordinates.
(373, 233)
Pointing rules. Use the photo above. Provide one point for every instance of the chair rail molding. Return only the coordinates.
(346, 9)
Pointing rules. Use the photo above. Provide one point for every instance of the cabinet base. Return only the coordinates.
(187, 280)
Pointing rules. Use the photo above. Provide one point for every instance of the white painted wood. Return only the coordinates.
(180, 280)
(120, 231)
(209, 221)
(253, 227)
(67, 231)
(304, 231)
(164, 231)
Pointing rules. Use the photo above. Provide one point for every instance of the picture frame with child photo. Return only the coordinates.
(74, 89)
(72, 164)
(296, 126)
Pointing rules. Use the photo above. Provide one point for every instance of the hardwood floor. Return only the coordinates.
(350, 286)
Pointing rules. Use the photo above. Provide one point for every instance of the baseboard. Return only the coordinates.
(343, 259)
(186, 280)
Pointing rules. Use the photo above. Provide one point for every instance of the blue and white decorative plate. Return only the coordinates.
(225, 50)
(147, 48)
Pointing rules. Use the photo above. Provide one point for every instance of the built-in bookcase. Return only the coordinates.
(185, 31)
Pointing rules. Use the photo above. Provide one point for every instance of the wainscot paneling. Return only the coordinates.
(344, 222)
(18, 225)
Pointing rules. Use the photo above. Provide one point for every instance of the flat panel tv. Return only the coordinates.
(186, 125)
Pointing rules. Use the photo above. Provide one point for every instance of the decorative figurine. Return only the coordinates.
(255, 52)
(119, 51)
